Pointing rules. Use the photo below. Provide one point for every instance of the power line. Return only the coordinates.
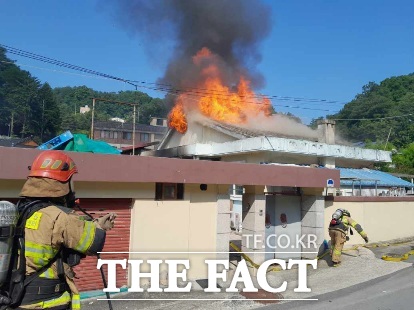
(260, 96)
(372, 119)
(52, 61)
(57, 71)
(165, 87)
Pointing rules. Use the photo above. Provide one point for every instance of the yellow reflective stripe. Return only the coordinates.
(76, 301)
(62, 300)
(39, 262)
(56, 164)
(87, 237)
(337, 251)
(48, 274)
(40, 251)
(353, 224)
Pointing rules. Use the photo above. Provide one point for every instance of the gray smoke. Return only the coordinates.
(232, 29)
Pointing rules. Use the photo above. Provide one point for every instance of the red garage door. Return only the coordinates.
(88, 277)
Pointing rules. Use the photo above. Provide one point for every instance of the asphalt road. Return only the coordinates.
(391, 292)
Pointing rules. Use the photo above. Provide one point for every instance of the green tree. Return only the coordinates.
(404, 161)
(388, 107)
(47, 120)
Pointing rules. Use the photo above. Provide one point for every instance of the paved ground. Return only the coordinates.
(358, 266)
(389, 292)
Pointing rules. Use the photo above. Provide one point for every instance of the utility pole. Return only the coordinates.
(386, 142)
(133, 132)
(93, 116)
(133, 120)
(43, 117)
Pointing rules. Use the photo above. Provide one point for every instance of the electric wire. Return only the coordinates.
(57, 71)
(165, 87)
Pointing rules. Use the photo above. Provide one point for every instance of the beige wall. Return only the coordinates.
(10, 188)
(114, 190)
(382, 221)
(189, 225)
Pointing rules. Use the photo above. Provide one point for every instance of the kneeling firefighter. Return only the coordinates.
(338, 231)
(52, 237)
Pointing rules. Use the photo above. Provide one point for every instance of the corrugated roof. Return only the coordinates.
(368, 178)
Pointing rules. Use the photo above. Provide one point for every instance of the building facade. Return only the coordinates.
(120, 134)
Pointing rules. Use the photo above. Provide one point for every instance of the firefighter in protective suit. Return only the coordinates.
(338, 231)
(55, 236)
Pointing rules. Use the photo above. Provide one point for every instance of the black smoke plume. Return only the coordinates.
(231, 29)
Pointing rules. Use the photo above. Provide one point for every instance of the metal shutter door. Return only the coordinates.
(88, 277)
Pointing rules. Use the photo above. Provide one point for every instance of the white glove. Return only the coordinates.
(106, 222)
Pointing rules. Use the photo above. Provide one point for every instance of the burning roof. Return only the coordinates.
(215, 99)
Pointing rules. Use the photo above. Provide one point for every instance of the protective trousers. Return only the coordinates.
(338, 239)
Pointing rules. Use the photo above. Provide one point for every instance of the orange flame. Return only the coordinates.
(216, 100)
(177, 118)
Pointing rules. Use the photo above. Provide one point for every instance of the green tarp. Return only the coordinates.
(81, 143)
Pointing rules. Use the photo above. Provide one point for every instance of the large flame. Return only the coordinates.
(216, 100)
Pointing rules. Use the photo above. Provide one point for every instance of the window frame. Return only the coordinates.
(161, 194)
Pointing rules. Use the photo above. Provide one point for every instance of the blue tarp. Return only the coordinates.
(368, 178)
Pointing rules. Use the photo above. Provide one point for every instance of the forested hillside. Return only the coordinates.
(389, 108)
(27, 107)
(382, 115)
(30, 108)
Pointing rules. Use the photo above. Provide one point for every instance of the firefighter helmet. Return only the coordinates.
(54, 165)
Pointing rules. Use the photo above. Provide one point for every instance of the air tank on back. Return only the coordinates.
(8, 221)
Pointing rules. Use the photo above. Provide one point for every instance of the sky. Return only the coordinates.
(324, 50)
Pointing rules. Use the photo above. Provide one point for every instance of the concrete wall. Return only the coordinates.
(189, 225)
(382, 220)
(10, 188)
(254, 211)
(312, 222)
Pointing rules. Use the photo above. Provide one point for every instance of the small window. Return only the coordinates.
(144, 137)
(102, 134)
(160, 122)
(115, 134)
(127, 135)
(169, 191)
